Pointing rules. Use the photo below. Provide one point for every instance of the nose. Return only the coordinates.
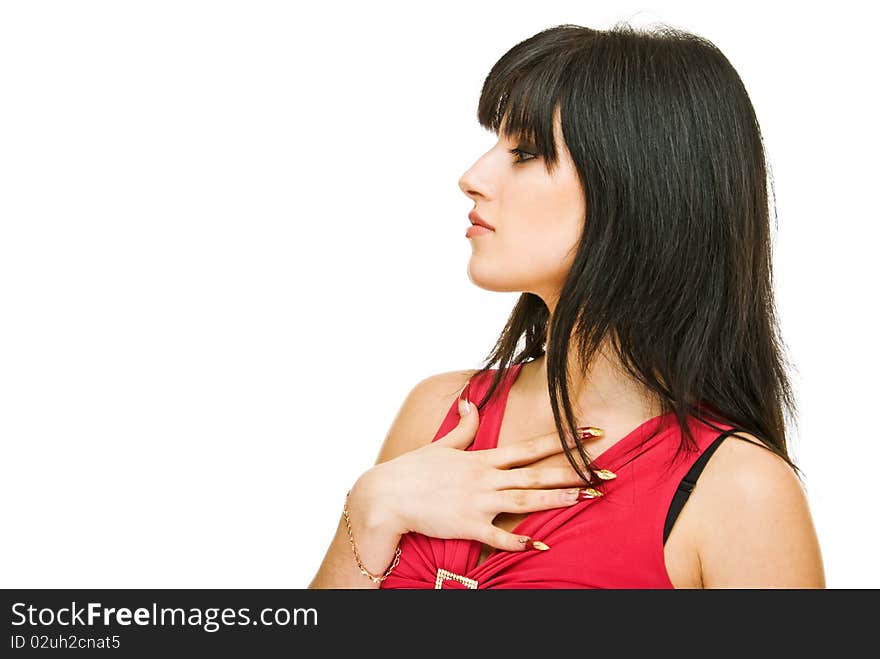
(465, 185)
(471, 184)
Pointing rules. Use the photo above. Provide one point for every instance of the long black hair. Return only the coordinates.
(673, 267)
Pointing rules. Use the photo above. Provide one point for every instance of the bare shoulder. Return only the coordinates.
(754, 527)
(422, 412)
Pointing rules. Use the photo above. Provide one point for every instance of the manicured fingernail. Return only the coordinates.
(537, 544)
(588, 493)
(606, 474)
(571, 496)
(590, 431)
(464, 407)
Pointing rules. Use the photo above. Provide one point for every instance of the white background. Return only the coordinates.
(232, 240)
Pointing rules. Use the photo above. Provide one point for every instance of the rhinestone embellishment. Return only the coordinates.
(446, 574)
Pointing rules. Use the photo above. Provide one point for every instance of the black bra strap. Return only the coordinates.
(690, 481)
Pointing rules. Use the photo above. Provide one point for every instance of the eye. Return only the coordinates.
(519, 153)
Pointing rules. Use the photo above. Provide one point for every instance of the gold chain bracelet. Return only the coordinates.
(357, 557)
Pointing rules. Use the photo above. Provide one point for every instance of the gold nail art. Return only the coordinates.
(590, 431)
(589, 493)
(606, 474)
(537, 544)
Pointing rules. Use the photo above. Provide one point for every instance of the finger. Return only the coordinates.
(537, 448)
(462, 435)
(526, 451)
(503, 540)
(529, 501)
(532, 478)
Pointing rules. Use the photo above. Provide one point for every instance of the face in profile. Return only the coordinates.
(538, 216)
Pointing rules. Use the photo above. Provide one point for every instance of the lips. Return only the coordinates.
(479, 221)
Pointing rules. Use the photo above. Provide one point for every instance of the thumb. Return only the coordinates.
(462, 435)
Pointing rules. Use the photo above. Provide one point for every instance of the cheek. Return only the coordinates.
(535, 248)
(524, 259)
(549, 247)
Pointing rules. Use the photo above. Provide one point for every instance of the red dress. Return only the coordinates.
(613, 541)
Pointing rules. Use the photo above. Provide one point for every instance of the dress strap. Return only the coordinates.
(687, 484)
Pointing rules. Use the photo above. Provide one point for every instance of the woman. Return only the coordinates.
(626, 199)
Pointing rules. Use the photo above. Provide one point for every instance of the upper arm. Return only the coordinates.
(754, 528)
(422, 412)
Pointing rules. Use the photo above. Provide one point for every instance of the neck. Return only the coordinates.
(603, 391)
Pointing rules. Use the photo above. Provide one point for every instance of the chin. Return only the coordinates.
(490, 277)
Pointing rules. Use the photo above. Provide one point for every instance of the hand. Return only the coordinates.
(444, 491)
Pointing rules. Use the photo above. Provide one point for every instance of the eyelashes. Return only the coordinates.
(518, 155)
